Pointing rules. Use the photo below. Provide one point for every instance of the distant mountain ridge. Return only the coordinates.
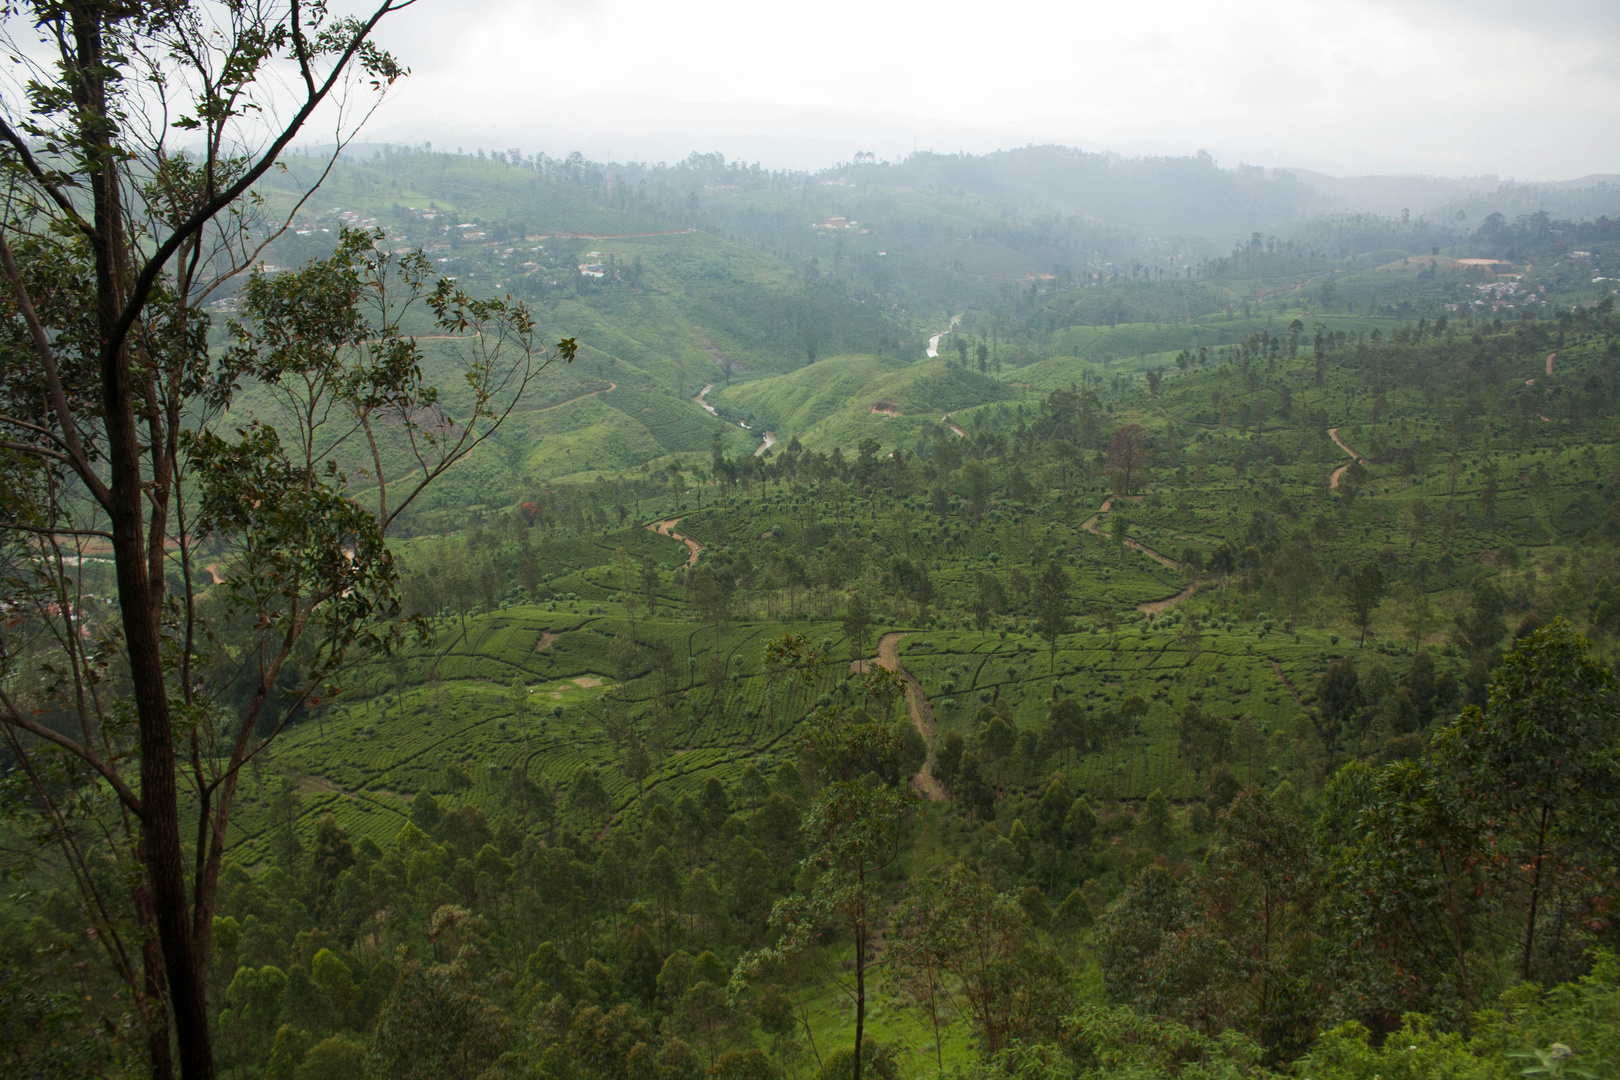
(1190, 197)
(1194, 197)
(1583, 197)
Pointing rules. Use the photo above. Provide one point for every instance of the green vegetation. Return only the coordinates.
(1201, 665)
(1111, 745)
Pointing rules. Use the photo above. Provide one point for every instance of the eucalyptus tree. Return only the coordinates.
(854, 829)
(960, 947)
(1539, 764)
(240, 484)
(1051, 596)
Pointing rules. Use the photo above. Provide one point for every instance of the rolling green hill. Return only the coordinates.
(840, 400)
(1225, 618)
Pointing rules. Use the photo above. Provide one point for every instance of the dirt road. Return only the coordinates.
(1152, 607)
(1333, 481)
(922, 715)
(667, 528)
(1092, 525)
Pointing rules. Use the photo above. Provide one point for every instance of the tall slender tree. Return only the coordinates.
(112, 241)
(855, 829)
(1051, 596)
(1129, 457)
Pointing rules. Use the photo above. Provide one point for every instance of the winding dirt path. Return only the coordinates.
(946, 420)
(1333, 481)
(769, 441)
(1151, 607)
(922, 715)
(1154, 607)
(667, 528)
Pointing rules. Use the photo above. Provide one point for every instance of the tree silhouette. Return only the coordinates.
(857, 621)
(1129, 456)
(1364, 591)
(1051, 595)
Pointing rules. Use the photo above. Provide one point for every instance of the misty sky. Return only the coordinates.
(1524, 90)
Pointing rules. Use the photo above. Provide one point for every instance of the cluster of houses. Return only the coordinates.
(347, 217)
(1503, 295)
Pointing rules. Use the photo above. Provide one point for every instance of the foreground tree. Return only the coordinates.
(1258, 886)
(855, 828)
(1403, 870)
(1539, 765)
(435, 1026)
(1491, 853)
(961, 946)
(856, 626)
(125, 433)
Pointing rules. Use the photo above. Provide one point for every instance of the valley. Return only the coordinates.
(1039, 633)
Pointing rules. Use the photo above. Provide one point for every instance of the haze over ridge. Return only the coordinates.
(1437, 87)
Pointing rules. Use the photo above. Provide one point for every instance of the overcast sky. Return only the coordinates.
(1457, 87)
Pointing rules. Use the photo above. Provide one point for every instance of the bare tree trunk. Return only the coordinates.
(860, 992)
(1535, 896)
(156, 1013)
(139, 566)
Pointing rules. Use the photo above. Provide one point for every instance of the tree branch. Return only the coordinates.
(147, 279)
(15, 718)
(301, 47)
(28, 448)
(44, 181)
(78, 459)
(40, 530)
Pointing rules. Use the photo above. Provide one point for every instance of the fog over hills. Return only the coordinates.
(1584, 196)
(1195, 196)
